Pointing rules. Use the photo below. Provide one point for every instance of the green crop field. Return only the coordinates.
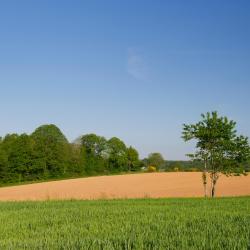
(222, 223)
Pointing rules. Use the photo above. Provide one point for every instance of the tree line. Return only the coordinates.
(47, 154)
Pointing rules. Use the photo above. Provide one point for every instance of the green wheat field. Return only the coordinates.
(221, 223)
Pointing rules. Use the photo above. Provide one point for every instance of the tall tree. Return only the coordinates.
(218, 146)
(133, 159)
(7, 145)
(77, 160)
(51, 150)
(20, 158)
(156, 160)
(94, 147)
(93, 143)
(117, 152)
(3, 164)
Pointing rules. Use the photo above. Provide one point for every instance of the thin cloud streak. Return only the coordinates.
(136, 66)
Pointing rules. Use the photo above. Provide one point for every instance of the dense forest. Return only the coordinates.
(47, 154)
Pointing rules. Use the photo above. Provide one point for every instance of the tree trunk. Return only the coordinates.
(213, 191)
(204, 178)
(214, 178)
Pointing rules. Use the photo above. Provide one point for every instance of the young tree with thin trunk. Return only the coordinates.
(218, 146)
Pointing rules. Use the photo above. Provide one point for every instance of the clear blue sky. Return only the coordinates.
(132, 69)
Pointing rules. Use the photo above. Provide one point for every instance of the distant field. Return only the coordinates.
(155, 185)
(197, 223)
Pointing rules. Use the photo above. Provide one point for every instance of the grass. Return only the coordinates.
(197, 223)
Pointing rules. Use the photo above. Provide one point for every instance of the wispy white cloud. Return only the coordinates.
(136, 65)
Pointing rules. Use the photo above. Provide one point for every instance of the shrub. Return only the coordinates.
(151, 169)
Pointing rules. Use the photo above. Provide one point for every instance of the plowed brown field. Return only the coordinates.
(153, 185)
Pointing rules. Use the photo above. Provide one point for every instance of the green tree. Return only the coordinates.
(133, 159)
(8, 142)
(51, 151)
(94, 144)
(94, 147)
(20, 158)
(156, 160)
(3, 164)
(218, 146)
(117, 154)
(7, 145)
(77, 160)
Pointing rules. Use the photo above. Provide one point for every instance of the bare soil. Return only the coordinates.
(150, 185)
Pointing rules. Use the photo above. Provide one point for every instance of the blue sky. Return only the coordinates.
(133, 69)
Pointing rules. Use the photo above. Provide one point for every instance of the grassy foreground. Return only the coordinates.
(126, 224)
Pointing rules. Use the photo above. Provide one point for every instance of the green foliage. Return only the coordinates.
(156, 160)
(20, 158)
(94, 147)
(127, 224)
(51, 151)
(94, 144)
(218, 146)
(183, 165)
(77, 160)
(117, 151)
(3, 164)
(47, 154)
(50, 133)
(133, 159)
(151, 169)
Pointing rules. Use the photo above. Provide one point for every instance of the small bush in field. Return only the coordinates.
(176, 169)
(151, 169)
